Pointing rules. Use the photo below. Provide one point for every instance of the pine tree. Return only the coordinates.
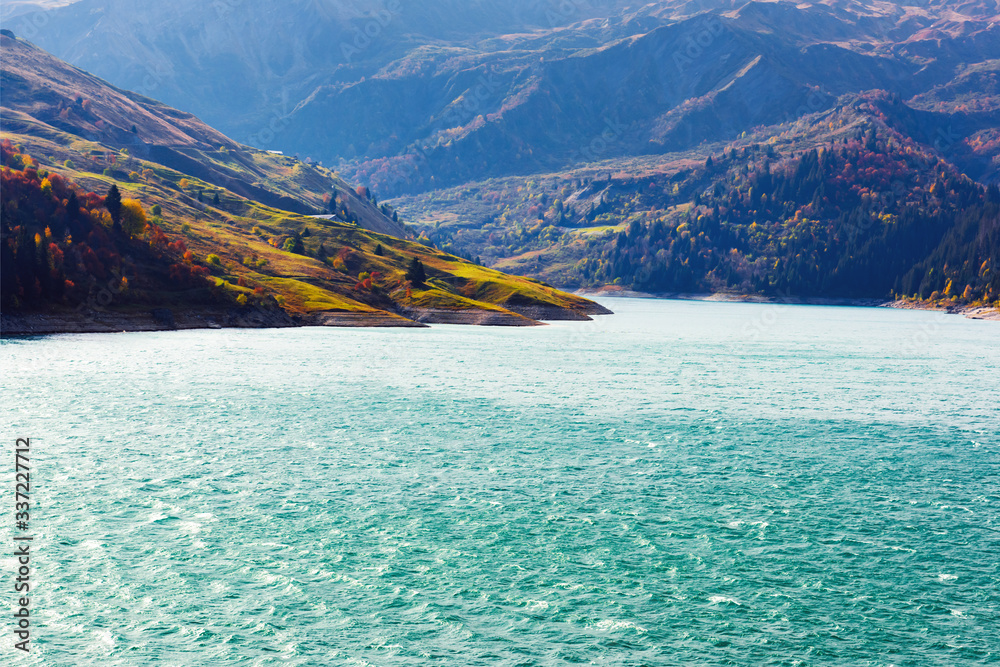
(113, 202)
(416, 274)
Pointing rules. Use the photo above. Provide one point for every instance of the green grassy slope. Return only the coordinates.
(222, 201)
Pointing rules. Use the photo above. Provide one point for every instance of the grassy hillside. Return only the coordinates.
(211, 210)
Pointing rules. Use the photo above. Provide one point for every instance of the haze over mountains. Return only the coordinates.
(834, 149)
(403, 91)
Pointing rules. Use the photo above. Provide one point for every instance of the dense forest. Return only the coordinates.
(63, 246)
(867, 216)
(854, 220)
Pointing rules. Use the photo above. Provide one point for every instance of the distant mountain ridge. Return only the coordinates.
(417, 95)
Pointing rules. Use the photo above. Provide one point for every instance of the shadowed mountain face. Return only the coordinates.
(240, 64)
(417, 95)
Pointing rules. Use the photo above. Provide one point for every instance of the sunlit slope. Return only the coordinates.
(246, 216)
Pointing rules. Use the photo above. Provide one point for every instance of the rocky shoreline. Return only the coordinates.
(167, 319)
(971, 312)
(157, 319)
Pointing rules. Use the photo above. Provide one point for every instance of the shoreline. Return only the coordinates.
(176, 319)
(167, 319)
(970, 312)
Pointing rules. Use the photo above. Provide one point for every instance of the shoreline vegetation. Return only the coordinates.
(943, 306)
(167, 319)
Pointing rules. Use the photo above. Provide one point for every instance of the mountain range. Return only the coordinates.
(753, 147)
(410, 96)
(203, 230)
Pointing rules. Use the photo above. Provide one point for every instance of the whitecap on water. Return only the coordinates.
(611, 625)
(946, 577)
(192, 527)
(719, 599)
(104, 637)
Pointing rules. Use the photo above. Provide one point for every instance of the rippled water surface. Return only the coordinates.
(680, 484)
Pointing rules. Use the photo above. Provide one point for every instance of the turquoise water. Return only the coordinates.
(680, 484)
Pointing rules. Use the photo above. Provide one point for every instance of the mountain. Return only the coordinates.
(243, 65)
(40, 91)
(212, 229)
(586, 143)
(30, 13)
(853, 202)
(419, 95)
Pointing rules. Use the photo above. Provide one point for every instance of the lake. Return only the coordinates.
(680, 483)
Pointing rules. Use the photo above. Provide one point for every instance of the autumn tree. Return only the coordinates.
(133, 218)
(294, 244)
